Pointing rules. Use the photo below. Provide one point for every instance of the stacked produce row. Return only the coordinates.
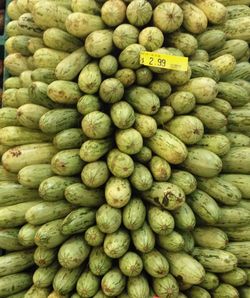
(2, 19)
(119, 179)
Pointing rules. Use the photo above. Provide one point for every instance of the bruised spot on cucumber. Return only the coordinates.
(15, 152)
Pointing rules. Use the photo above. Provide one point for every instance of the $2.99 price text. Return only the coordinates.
(164, 61)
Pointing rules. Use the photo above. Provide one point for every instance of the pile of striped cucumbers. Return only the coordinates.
(121, 177)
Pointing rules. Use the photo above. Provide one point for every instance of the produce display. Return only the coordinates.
(120, 178)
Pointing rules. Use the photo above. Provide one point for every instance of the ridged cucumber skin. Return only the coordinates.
(78, 194)
(197, 273)
(238, 120)
(197, 292)
(8, 117)
(73, 252)
(71, 66)
(37, 292)
(44, 75)
(216, 143)
(241, 181)
(236, 28)
(92, 150)
(210, 282)
(65, 280)
(221, 105)
(236, 11)
(204, 69)
(210, 237)
(31, 176)
(238, 139)
(235, 47)
(29, 115)
(237, 96)
(238, 233)
(7, 220)
(14, 283)
(13, 193)
(34, 44)
(222, 191)
(161, 143)
(237, 161)
(57, 120)
(26, 235)
(215, 260)
(64, 92)
(9, 239)
(69, 139)
(225, 290)
(204, 206)
(43, 277)
(52, 189)
(9, 98)
(16, 262)
(76, 20)
(38, 95)
(166, 195)
(202, 162)
(49, 235)
(78, 221)
(58, 39)
(241, 71)
(50, 14)
(12, 82)
(233, 217)
(22, 96)
(67, 163)
(48, 211)
(184, 218)
(211, 40)
(184, 180)
(210, 117)
(241, 251)
(18, 44)
(43, 257)
(48, 58)
(27, 26)
(18, 157)
(143, 100)
(236, 278)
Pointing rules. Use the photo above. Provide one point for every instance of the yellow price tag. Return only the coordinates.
(164, 61)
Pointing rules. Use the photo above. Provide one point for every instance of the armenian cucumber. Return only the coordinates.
(7, 220)
(16, 262)
(31, 176)
(48, 211)
(52, 188)
(73, 252)
(14, 193)
(26, 235)
(65, 281)
(215, 260)
(78, 221)
(49, 235)
(222, 191)
(9, 239)
(43, 276)
(57, 120)
(14, 283)
(18, 157)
